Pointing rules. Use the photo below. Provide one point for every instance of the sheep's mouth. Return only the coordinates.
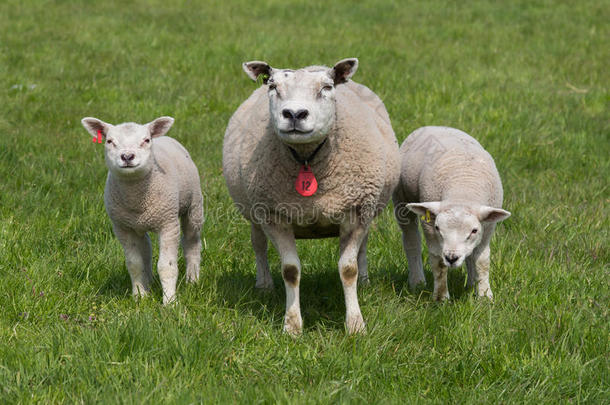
(296, 132)
(129, 166)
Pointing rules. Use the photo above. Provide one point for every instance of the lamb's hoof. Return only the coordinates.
(418, 287)
(293, 324)
(355, 324)
(170, 301)
(486, 294)
(192, 277)
(364, 281)
(441, 297)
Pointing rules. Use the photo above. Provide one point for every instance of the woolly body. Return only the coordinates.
(451, 174)
(356, 169)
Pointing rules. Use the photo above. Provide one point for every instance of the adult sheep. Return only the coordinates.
(310, 154)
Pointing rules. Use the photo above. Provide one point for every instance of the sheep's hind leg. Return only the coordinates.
(191, 246)
(282, 238)
(138, 259)
(351, 239)
(259, 244)
(411, 242)
(363, 274)
(167, 266)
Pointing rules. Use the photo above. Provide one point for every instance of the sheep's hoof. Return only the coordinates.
(264, 286)
(355, 324)
(364, 281)
(486, 294)
(170, 301)
(440, 297)
(293, 324)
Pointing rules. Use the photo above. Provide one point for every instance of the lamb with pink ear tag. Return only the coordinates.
(152, 185)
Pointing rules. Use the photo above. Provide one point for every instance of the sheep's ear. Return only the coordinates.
(343, 70)
(256, 68)
(160, 126)
(92, 125)
(427, 210)
(490, 214)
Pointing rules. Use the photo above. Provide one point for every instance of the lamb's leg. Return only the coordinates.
(439, 270)
(259, 244)
(351, 239)
(363, 275)
(191, 245)
(282, 238)
(411, 242)
(480, 264)
(138, 258)
(169, 238)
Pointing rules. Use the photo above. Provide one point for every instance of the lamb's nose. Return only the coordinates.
(127, 157)
(451, 258)
(295, 115)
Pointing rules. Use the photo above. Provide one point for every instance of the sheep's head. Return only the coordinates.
(458, 228)
(302, 102)
(128, 146)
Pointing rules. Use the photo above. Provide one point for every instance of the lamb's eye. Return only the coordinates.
(327, 88)
(436, 227)
(147, 140)
(109, 141)
(474, 231)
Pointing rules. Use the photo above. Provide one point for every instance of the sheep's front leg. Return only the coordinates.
(138, 258)
(478, 272)
(363, 274)
(169, 239)
(439, 270)
(351, 238)
(259, 244)
(411, 242)
(282, 238)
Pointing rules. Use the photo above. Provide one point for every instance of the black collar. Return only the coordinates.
(305, 162)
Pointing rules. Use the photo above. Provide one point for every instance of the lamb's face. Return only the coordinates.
(302, 102)
(457, 228)
(128, 147)
(458, 232)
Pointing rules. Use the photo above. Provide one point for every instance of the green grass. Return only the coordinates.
(529, 79)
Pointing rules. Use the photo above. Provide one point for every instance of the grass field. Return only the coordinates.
(529, 79)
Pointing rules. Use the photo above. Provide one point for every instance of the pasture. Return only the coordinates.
(528, 79)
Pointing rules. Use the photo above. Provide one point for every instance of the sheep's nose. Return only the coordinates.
(451, 258)
(127, 157)
(295, 115)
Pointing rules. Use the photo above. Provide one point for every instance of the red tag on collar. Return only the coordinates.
(306, 183)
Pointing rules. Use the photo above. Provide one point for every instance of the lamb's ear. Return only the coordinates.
(92, 125)
(427, 210)
(343, 70)
(256, 68)
(490, 214)
(160, 126)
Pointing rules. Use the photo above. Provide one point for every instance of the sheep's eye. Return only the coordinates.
(147, 140)
(474, 231)
(327, 88)
(109, 141)
(436, 227)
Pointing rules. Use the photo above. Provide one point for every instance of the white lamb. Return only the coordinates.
(152, 185)
(452, 184)
(306, 128)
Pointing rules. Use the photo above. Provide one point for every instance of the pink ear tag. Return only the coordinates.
(306, 183)
(99, 137)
